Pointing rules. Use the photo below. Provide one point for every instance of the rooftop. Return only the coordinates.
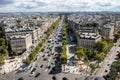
(23, 36)
(108, 26)
(89, 35)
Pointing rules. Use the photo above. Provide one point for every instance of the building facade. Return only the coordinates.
(87, 40)
(33, 31)
(20, 43)
(107, 31)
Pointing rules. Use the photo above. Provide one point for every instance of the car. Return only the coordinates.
(54, 78)
(31, 74)
(41, 66)
(52, 63)
(106, 70)
(48, 55)
(105, 77)
(108, 64)
(49, 67)
(64, 78)
(44, 59)
(38, 74)
(52, 53)
(35, 59)
(21, 78)
(33, 70)
(43, 56)
(42, 50)
(21, 70)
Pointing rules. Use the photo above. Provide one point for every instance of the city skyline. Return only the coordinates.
(59, 5)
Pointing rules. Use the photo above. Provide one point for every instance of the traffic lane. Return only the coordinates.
(49, 44)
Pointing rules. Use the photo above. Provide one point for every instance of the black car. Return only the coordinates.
(54, 78)
(49, 67)
(106, 70)
(48, 55)
(45, 59)
(21, 78)
(42, 50)
(33, 70)
(41, 66)
(52, 53)
(43, 56)
(64, 78)
(38, 74)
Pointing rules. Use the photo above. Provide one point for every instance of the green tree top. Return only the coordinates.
(15, 53)
(101, 46)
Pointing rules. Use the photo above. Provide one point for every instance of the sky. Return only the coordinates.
(59, 5)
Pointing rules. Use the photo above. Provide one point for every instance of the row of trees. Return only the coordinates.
(64, 54)
(117, 35)
(42, 42)
(3, 48)
(3, 51)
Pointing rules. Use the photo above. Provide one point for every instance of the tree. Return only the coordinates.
(64, 58)
(80, 52)
(2, 41)
(15, 53)
(89, 54)
(114, 72)
(117, 35)
(3, 51)
(1, 60)
(99, 57)
(101, 46)
(28, 61)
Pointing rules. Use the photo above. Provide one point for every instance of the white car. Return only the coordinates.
(31, 74)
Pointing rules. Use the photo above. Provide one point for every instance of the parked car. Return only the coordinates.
(38, 74)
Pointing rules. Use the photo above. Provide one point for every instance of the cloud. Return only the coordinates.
(60, 5)
(29, 4)
(103, 4)
(6, 2)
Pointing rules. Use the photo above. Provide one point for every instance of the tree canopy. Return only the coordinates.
(80, 52)
(101, 46)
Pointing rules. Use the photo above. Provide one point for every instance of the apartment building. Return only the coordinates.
(33, 31)
(107, 31)
(87, 40)
(21, 42)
